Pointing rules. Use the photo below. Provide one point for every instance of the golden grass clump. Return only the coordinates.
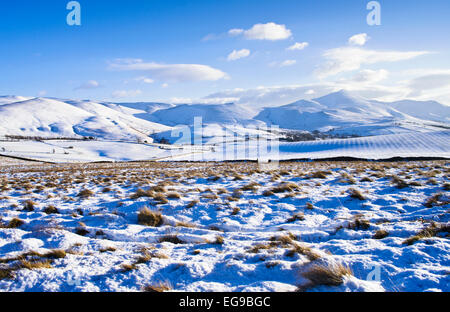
(158, 288)
(431, 231)
(325, 275)
(380, 234)
(150, 218)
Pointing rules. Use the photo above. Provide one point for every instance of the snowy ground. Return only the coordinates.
(410, 145)
(225, 227)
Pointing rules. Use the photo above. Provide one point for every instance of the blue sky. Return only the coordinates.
(133, 50)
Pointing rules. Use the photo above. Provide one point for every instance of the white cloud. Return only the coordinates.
(285, 63)
(171, 72)
(359, 39)
(235, 55)
(145, 80)
(351, 58)
(165, 85)
(42, 93)
(370, 76)
(235, 32)
(298, 46)
(91, 84)
(288, 63)
(126, 93)
(269, 31)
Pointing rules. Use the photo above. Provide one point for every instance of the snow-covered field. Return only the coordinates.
(315, 226)
(410, 145)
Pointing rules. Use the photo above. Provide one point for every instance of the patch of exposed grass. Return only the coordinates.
(431, 231)
(171, 238)
(85, 194)
(51, 210)
(380, 234)
(158, 288)
(357, 194)
(150, 218)
(325, 275)
(299, 216)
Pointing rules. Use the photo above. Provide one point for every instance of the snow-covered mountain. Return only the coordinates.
(49, 118)
(224, 114)
(342, 112)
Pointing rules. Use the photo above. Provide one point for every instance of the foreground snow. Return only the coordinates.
(270, 240)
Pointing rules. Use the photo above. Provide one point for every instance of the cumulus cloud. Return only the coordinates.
(298, 46)
(269, 31)
(170, 72)
(91, 84)
(126, 93)
(347, 59)
(236, 55)
(359, 39)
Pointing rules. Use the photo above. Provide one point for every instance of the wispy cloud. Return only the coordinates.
(91, 84)
(170, 72)
(347, 59)
(126, 93)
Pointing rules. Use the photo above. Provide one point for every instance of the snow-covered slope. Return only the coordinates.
(51, 118)
(429, 110)
(210, 114)
(342, 112)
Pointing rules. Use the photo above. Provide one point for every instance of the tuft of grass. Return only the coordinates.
(173, 195)
(299, 216)
(303, 250)
(29, 205)
(158, 288)
(150, 218)
(431, 231)
(85, 194)
(108, 249)
(15, 223)
(51, 210)
(380, 234)
(436, 200)
(31, 265)
(126, 267)
(354, 193)
(81, 231)
(219, 240)
(359, 224)
(6, 273)
(285, 188)
(55, 254)
(193, 203)
(309, 206)
(268, 193)
(174, 239)
(325, 275)
(142, 193)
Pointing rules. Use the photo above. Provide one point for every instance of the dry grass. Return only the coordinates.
(171, 238)
(380, 234)
(158, 288)
(357, 194)
(431, 231)
(299, 216)
(150, 218)
(51, 210)
(325, 275)
(359, 224)
(85, 194)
